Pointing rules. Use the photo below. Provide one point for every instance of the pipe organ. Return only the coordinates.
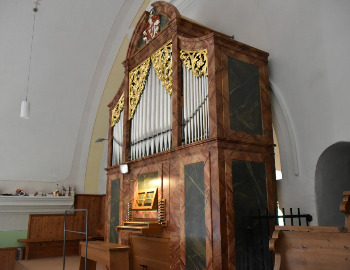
(192, 121)
(195, 96)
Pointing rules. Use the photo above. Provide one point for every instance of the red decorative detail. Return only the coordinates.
(152, 27)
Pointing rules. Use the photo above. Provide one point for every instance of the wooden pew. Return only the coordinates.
(313, 247)
(7, 258)
(46, 231)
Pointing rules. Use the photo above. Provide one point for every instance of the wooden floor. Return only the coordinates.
(53, 263)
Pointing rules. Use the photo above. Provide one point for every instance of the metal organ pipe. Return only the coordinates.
(151, 124)
(118, 140)
(195, 107)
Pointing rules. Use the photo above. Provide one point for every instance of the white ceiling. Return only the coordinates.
(69, 39)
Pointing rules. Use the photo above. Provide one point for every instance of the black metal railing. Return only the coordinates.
(252, 248)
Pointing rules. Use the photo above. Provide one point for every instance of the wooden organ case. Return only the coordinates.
(192, 121)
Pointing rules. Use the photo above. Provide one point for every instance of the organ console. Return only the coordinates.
(192, 119)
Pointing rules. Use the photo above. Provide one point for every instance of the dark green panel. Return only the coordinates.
(244, 97)
(147, 180)
(115, 200)
(195, 216)
(250, 199)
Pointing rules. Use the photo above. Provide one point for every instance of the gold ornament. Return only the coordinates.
(137, 79)
(196, 60)
(162, 64)
(117, 110)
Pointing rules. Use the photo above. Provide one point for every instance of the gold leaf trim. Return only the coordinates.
(137, 79)
(162, 64)
(117, 110)
(197, 61)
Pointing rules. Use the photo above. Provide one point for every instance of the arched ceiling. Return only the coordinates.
(68, 58)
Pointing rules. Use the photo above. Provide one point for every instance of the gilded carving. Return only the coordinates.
(137, 80)
(117, 110)
(197, 61)
(162, 64)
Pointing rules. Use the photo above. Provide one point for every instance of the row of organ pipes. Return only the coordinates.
(118, 140)
(195, 107)
(151, 125)
(152, 120)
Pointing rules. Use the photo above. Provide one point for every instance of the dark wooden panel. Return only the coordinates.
(114, 214)
(195, 229)
(244, 97)
(249, 198)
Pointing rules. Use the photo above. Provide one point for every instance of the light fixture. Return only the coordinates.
(100, 140)
(124, 168)
(25, 105)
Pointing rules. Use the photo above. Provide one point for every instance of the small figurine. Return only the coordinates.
(20, 192)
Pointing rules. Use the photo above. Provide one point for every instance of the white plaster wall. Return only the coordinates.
(308, 42)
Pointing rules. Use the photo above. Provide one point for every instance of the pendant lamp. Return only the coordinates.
(25, 105)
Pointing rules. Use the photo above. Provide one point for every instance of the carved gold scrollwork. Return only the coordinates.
(196, 60)
(137, 80)
(162, 64)
(117, 110)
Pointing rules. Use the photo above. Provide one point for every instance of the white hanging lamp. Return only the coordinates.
(25, 105)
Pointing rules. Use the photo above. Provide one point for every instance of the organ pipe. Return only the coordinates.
(195, 106)
(151, 123)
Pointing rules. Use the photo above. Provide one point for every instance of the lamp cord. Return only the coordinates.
(31, 50)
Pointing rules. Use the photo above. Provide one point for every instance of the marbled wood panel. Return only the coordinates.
(249, 197)
(190, 29)
(234, 46)
(165, 194)
(214, 94)
(114, 210)
(196, 43)
(220, 243)
(195, 230)
(266, 103)
(266, 137)
(167, 9)
(229, 156)
(126, 128)
(176, 190)
(208, 212)
(108, 208)
(176, 95)
(199, 156)
(244, 97)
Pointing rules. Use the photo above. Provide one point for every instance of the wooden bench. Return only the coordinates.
(114, 256)
(46, 231)
(313, 247)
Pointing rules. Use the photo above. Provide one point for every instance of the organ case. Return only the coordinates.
(191, 119)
